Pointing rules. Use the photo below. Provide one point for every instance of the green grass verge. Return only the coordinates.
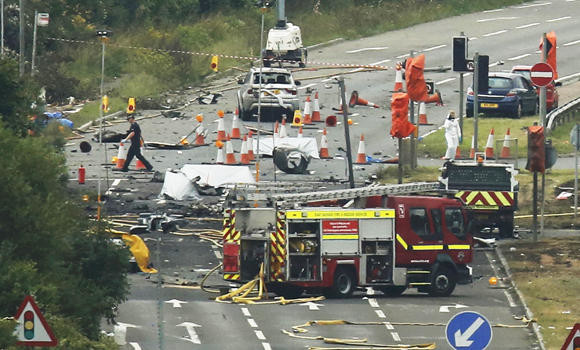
(547, 273)
(434, 145)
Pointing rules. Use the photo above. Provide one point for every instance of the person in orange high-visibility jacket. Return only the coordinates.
(551, 50)
(401, 127)
(416, 86)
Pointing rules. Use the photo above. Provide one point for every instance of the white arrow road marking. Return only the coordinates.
(176, 303)
(312, 306)
(120, 332)
(463, 339)
(190, 327)
(445, 308)
(135, 346)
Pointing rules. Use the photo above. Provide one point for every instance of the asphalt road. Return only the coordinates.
(510, 35)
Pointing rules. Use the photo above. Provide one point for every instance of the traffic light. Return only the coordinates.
(551, 51)
(536, 151)
(105, 103)
(459, 44)
(29, 325)
(131, 105)
(214, 63)
(482, 73)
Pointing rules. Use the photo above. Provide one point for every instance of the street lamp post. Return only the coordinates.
(103, 36)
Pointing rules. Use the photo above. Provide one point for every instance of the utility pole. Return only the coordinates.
(21, 36)
(2, 25)
(413, 138)
(543, 123)
(263, 9)
(475, 98)
(103, 36)
(461, 100)
(34, 43)
(344, 107)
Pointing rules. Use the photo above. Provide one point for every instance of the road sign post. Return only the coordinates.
(32, 328)
(575, 140)
(468, 330)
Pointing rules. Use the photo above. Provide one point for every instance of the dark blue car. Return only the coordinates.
(509, 95)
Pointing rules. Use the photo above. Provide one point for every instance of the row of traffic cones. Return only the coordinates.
(505, 152)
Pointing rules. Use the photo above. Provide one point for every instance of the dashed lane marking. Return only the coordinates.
(252, 323)
(558, 19)
(532, 5)
(445, 81)
(246, 312)
(217, 254)
(572, 43)
(496, 272)
(389, 326)
(373, 302)
(260, 335)
(495, 33)
(266, 346)
(434, 48)
(528, 25)
(495, 10)
(395, 336)
(368, 49)
(495, 19)
(519, 57)
(380, 314)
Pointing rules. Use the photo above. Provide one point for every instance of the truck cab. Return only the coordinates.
(284, 44)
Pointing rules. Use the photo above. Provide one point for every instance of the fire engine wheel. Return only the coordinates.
(442, 283)
(393, 291)
(344, 283)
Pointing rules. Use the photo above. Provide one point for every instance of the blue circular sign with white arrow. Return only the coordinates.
(468, 330)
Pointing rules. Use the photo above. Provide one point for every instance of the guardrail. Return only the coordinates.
(563, 114)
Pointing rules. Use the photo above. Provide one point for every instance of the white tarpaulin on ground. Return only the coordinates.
(178, 186)
(307, 145)
(216, 175)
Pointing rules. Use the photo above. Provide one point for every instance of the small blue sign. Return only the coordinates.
(468, 330)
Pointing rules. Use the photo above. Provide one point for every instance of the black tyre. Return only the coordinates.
(393, 291)
(241, 113)
(506, 229)
(344, 283)
(442, 282)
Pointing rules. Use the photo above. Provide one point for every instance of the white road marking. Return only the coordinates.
(373, 302)
(518, 57)
(572, 43)
(489, 11)
(558, 19)
(260, 335)
(246, 312)
(380, 313)
(190, 327)
(368, 49)
(266, 346)
(395, 336)
(445, 81)
(495, 19)
(252, 323)
(389, 326)
(528, 25)
(509, 298)
(495, 33)
(434, 48)
(474, 38)
(135, 346)
(494, 64)
(218, 254)
(402, 56)
(533, 5)
(370, 290)
(116, 182)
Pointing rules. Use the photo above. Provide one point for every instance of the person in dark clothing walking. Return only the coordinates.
(135, 148)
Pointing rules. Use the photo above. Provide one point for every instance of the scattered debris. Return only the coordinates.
(291, 160)
(208, 99)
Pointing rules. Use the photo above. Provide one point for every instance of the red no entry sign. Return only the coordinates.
(541, 74)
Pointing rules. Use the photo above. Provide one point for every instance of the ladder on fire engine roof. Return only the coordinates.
(288, 199)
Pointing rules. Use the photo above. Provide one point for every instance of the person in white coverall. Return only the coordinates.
(452, 135)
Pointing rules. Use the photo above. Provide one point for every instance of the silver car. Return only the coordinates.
(279, 94)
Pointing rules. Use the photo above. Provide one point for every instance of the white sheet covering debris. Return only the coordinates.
(308, 145)
(178, 184)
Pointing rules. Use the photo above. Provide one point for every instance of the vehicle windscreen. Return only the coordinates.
(500, 83)
(525, 73)
(272, 78)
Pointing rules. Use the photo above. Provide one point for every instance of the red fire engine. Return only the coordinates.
(396, 242)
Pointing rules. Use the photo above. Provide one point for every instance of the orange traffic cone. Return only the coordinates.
(200, 132)
(121, 156)
(283, 132)
(250, 146)
(300, 133)
(307, 119)
(489, 145)
(221, 130)
(277, 129)
(472, 150)
(244, 158)
(139, 164)
(230, 156)
(356, 100)
(219, 159)
(457, 153)
(361, 157)
(505, 150)
(316, 110)
(323, 152)
(236, 126)
(398, 78)
(422, 114)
